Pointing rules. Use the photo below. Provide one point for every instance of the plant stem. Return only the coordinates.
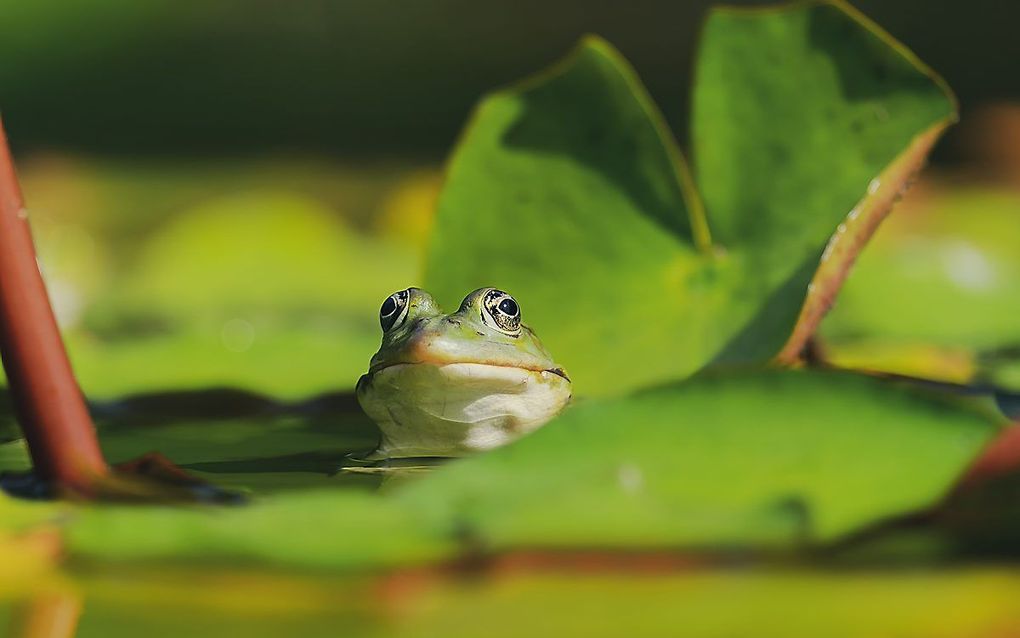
(48, 614)
(48, 402)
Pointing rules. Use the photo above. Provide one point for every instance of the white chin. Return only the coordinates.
(454, 409)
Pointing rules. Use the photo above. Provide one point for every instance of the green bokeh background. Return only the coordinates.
(222, 193)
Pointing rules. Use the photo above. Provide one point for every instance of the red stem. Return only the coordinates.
(49, 404)
(1000, 458)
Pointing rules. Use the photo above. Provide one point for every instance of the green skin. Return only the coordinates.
(428, 335)
(411, 379)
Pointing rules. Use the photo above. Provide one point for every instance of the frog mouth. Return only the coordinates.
(560, 372)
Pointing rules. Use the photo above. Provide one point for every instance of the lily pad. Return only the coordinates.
(569, 191)
(770, 461)
(314, 529)
(235, 440)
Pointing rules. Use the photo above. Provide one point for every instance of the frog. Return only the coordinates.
(450, 385)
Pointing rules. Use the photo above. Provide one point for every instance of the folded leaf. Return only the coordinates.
(807, 119)
(568, 191)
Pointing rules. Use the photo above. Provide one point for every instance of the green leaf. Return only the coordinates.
(319, 529)
(796, 109)
(235, 440)
(807, 118)
(568, 191)
(766, 460)
(565, 191)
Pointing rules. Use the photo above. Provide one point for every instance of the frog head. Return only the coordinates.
(451, 384)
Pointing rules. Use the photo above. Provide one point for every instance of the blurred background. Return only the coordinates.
(220, 188)
(375, 79)
(224, 191)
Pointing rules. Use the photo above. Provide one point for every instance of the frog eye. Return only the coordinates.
(393, 310)
(501, 311)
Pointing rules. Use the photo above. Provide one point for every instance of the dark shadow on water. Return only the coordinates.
(227, 431)
(322, 462)
(213, 404)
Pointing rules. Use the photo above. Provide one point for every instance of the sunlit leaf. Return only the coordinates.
(808, 121)
(765, 460)
(569, 191)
